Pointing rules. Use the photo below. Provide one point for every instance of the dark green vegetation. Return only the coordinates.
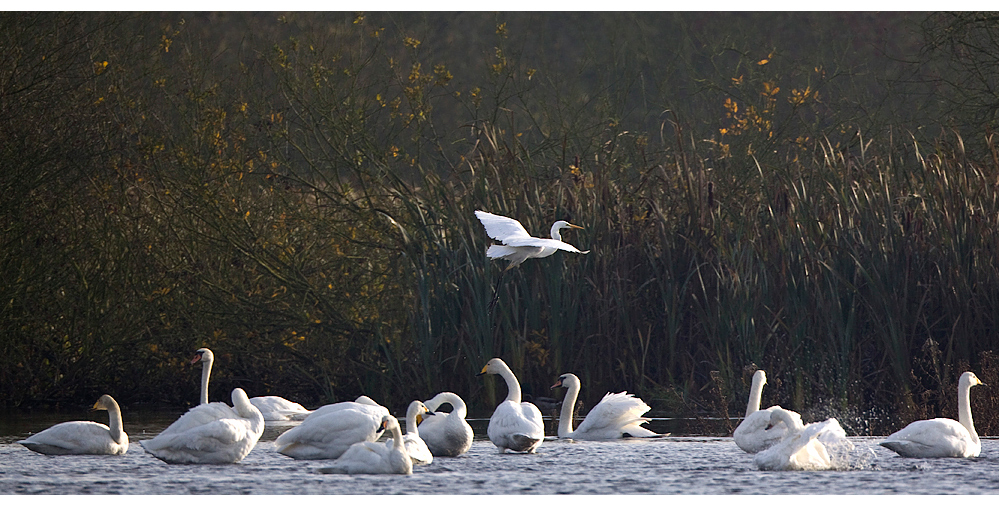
(297, 193)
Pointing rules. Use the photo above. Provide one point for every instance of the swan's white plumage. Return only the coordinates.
(514, 425)
(278, 409)
(446, 434)
(802, 448)
(941, 437)
(757, 432)
(374, 457)
(83, 437)
(616, 415)
(210, 433)
(415, 446)
(331, 429)
(518, 245)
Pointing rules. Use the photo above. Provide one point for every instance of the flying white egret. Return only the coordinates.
(518, 245)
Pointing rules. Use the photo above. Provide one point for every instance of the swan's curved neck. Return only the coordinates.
(964, 409)
(556, 235)
(790, 422)
(397, 442)
(512, 385)
(458, 406)
(206, 371)
(568, 405)
(114, 414)
(755, 393)
(411, 426)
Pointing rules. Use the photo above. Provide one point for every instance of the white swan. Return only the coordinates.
(415, 446)
(83, 437)
(514, 425)
(446, 434)
(373, 457)
(941, 437)
(801, 448)
(331, 429)
(518, 245)
(757, 432)
(210, 433)
(617, 415)
(273, 408)
(278, 409)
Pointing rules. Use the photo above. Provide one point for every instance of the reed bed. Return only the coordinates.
(304, 207)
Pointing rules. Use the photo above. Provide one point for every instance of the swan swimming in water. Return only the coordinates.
(210, 433)
(758, 431)
(617, 415)
(83, 437)
(273, 408)
(941, 437)
(415, 446)
(514, 425)
(446, 434)
(374, 457)
(802, 448)
(331, 429)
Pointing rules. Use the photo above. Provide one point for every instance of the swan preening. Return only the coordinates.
(83, 437)
(446, 434)
(617, 415)
(374, 457)
(514, 425)
(416, 448)
(331, 429)
(758, 431)
(518, 245)
(802, 447)
(210, 433)
(941, 437)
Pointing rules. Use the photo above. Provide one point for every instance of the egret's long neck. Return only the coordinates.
(755, 393)
(206, 371)
(556, 235)
(568, 405)
(964, 408)
(114, 414)
(512, 385)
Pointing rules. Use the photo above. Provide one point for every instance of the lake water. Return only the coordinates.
(664, 466)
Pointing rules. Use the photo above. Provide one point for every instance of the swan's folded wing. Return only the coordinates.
(199, 416)
(72, 436)
(931, 433)
(612, 414)
(347, 425)
(501, 228)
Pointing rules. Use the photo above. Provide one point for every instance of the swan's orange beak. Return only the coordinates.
(196, 358)
(558, 383)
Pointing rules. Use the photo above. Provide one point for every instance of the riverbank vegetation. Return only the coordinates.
(296, 192)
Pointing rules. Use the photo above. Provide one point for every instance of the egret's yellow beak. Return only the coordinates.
(575, 226)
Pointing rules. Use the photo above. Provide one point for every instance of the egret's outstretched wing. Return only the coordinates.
(502, 228)
(542, 243)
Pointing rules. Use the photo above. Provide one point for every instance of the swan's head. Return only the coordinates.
(202, 355)
(567, 380)
(416, 411)
(760, 376)
(970, 379)
(388, 422)
(105, 402)
(493, 366)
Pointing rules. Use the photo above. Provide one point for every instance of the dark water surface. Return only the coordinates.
(666, 466)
